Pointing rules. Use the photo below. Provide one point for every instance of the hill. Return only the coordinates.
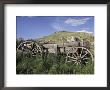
(62, 36)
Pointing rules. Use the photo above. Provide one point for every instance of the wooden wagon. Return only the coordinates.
(77, 52)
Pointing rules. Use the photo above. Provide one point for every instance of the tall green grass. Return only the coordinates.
(52, 64)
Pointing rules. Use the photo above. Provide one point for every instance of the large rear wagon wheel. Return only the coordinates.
(79, 56)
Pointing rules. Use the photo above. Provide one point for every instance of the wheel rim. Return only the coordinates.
(79, 55)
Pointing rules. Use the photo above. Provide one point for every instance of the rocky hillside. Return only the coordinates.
(63, 36)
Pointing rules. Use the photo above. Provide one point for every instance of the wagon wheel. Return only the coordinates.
(79, 55)
(36, 50)
(24, 46)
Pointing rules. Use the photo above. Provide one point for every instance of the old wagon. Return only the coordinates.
(76, 51)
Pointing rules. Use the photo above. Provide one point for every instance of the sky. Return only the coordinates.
(33, 27)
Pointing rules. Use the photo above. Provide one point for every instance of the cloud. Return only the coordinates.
(85, 31)
(57, 26)
(76, 22)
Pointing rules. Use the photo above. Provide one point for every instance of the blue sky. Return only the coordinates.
(33, 27)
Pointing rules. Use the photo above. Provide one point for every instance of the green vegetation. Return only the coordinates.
(53, 64)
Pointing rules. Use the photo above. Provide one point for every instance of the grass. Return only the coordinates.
(53, 64)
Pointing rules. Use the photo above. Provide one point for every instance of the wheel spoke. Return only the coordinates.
(71, 57)
(85, 58)
(74, 55)
(81, 52)
(74, 60)
(74, 63)
(77, 63)
(68, 61)
(76, 52)
(84, 55)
